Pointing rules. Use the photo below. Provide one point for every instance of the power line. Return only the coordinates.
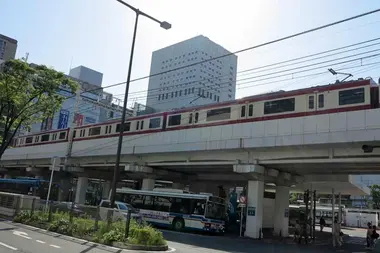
(265, 44)
(112, 142)
(282, 62)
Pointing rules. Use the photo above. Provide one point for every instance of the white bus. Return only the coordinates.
(356, 217)
(180, 211)
(297, 212)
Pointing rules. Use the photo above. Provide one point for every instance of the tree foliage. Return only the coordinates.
(28, 94)
(375, 195)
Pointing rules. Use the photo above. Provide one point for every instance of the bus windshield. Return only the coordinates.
(215, 211)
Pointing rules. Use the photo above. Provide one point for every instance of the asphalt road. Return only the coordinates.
(15, 238)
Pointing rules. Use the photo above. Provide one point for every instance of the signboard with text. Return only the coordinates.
(251, 211)
(63, 119)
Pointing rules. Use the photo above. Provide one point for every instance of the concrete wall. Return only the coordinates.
(345, 127)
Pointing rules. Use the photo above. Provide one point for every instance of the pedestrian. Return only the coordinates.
(322, 223)
(337, 233)
(369, 235)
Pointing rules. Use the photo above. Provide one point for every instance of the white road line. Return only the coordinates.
(40, 241)
(7, 246)
(55, 246)
(22, 234)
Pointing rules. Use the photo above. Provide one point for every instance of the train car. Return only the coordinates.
(356, 95)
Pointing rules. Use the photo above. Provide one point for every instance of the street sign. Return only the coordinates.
(251, 211)
(242, 200)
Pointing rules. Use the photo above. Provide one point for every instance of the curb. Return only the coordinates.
(86, 242)
(140, 247)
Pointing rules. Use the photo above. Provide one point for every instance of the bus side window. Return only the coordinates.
(180, 206)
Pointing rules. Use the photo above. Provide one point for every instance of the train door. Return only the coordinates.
(316, 101)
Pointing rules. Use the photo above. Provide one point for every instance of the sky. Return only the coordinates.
(98, 34)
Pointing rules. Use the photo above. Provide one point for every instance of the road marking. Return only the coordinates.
(40, 241)
(22, 234)
(7, 246)
(55, 246)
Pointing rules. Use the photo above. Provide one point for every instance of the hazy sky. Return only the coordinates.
(98, 34)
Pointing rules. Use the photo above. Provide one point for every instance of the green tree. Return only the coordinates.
(375, 195)
(28, 94)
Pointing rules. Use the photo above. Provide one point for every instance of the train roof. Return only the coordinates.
(165, 194)
(254, 98)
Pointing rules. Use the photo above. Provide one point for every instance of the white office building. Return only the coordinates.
(199, 84)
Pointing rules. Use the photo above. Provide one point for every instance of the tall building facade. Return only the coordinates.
(94, 105)
(8, 47)
(198, 84)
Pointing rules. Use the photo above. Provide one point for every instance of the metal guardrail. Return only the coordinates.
(13, 204)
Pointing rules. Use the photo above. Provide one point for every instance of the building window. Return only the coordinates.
(94, 131)
(279, 106)
(180, 93)
(321, 101)
(154, 123)
(353, 96)
(127, 127)
(311, 102)
(185, 92)
(176, 93)
(219, 114)
(174, 120)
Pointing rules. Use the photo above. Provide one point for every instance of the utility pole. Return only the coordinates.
(71, 130)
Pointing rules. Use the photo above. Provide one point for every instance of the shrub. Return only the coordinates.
(22, 217)
(62, 226)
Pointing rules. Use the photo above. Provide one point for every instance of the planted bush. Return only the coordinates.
(81, 227)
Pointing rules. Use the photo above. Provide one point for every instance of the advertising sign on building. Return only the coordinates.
(78, 119)
(47, 124)
(63, 119)
(89, 120)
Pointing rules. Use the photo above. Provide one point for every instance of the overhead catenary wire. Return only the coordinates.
(253, 47)
(226, 84)
(141, 135)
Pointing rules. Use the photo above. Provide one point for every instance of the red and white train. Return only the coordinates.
(355, 95)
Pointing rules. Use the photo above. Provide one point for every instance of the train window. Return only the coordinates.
(353, 96)
(142, 125)
(155, 123)
(127, 127)
(54, 137)
(174, 120)
(219, 114)
(250, 110)
(28, 140)
(138, 125)
(278, 106)
(45, 137)
(311, 102)
(94, 131)
(242, 112)
(74, 134)
(62, 135)
(321, 101)
(108, 129)
(82, 132)
(196, 117)
(190, 118)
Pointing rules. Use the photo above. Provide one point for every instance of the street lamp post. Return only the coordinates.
(116, 172)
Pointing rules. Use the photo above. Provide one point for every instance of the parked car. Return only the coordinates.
(120, 210)
(67, 207)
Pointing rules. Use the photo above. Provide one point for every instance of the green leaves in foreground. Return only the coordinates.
(28, 94)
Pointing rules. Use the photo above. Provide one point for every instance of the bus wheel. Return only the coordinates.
(178, 224)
